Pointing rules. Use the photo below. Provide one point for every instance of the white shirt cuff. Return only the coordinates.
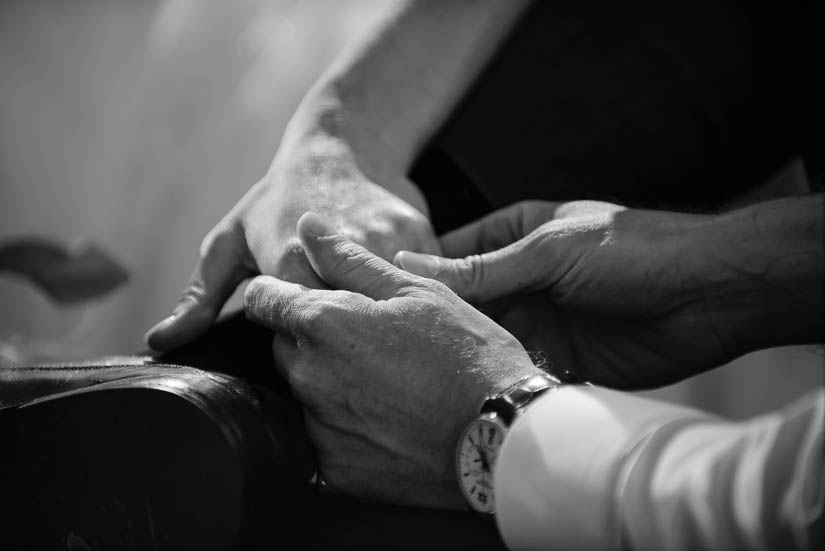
(557, 474)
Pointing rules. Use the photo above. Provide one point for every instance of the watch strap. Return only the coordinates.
(507, 403)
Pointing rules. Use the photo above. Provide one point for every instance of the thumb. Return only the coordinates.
(345, 265)
(497, 229)
(481, 277)
(219, 271)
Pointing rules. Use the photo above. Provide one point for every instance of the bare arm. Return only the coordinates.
(387, 94)
(346, 152)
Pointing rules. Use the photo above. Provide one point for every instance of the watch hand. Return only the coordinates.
(485, 463)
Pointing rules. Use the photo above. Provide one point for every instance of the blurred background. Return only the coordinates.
(138, 124)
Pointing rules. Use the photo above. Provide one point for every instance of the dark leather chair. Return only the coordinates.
(202, 448)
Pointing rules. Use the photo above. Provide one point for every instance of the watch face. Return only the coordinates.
(476, 461)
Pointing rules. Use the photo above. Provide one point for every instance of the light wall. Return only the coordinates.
(138, 124)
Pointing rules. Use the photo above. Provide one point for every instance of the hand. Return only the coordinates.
(596, 288)
(258, 235)
(390, 368)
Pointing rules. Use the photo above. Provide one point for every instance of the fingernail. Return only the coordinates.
(416, 263)
(159, 326)
(316, 225)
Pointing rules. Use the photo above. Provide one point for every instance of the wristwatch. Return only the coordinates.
(481, 441)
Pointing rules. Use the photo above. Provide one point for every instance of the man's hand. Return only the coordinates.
(633, 298)
(390, 368)
(258, 235)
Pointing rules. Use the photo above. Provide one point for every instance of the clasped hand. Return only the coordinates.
(258, 234)
(592, 287)
(389, 366)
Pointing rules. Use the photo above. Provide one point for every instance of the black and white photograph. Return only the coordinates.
(478, 275)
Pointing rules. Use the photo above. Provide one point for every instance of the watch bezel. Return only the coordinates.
(491, 418)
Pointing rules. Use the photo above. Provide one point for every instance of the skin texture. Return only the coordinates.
(636, 299)
(345, 154)
(390, 367)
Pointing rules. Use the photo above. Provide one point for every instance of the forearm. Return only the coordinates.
(384, 97)
(761, 270)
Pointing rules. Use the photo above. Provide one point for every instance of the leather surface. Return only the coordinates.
(236, 354)
(21, 384)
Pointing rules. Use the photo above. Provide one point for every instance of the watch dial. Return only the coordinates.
(477, 454)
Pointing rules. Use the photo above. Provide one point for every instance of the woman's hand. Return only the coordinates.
(345, 153)
(390, 368)
(258, 235)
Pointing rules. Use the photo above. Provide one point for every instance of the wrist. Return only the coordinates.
(481, 441)
(324, 118)
(757, 273)
(483, 433)
(321, 141)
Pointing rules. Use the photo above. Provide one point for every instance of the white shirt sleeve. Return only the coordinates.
(591, 468)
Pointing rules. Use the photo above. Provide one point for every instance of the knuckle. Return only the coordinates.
(194, 292)
(437, 287)
(327, 316)
(207, 243)
(410, 219)
(347, 303)
(194, 300)
(471, 273)
(315, 317)
(312, 317)
(337, 319)
(215, 238)
(400, 224)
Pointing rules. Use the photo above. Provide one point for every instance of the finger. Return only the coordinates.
(219, 271)
(347, 265)
(484, 277)
(281, 306)
(498, 229)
